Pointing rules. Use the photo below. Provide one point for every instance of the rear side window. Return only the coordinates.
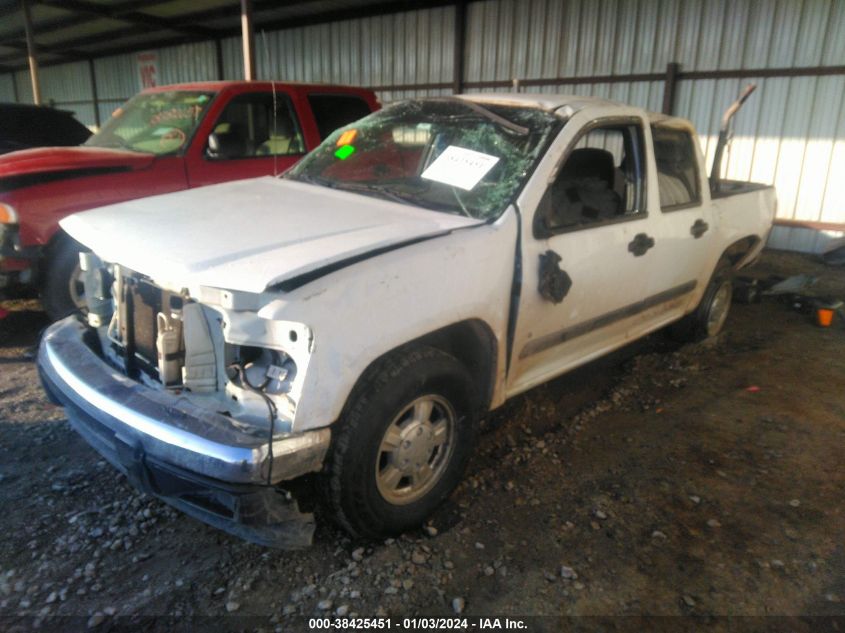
(334, 111)
(677, 168)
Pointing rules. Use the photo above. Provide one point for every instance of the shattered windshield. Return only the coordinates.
(444, 154)
(154, 123)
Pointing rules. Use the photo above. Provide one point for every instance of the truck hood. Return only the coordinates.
(250, 234)
(43, 160)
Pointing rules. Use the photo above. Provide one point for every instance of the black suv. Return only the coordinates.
(23, 126)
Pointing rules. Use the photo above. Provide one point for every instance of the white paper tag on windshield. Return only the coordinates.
(460, 167)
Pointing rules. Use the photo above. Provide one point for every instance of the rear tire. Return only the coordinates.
(402, 443)
(709, 317)
(62, 291)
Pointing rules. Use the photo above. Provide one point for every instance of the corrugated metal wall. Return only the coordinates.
(7, 88)
(415, 47)
(791, 133)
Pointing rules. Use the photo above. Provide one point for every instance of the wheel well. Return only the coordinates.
(737, 251)
(58, 239)
(472, 342)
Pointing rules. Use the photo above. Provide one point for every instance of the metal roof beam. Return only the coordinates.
(133, 17)
(69, 54)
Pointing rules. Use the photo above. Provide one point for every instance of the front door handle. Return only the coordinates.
(699, 228)
(640, 244)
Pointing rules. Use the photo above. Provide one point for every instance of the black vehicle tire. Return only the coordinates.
(708, 319)
(62, 293)
(387, 409)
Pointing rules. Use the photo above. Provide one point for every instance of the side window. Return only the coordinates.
(677, 168)
(334, 111)
(601, 180)
(247, 128)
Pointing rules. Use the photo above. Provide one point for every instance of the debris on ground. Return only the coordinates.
(583, 500)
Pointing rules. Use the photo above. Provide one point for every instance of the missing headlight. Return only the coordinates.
(268, 370)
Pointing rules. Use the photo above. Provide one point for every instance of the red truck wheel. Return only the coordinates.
(62, 292)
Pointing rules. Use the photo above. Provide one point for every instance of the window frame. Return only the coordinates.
(543, 232)
(323, 93)
(291, 108)
(695, 202)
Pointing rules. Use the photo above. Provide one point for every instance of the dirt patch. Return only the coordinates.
(702, 480)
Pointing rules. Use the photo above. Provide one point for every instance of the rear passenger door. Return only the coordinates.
(256, 134)
(684, 232)
(586, 250)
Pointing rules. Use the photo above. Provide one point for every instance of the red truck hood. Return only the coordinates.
(58, 159)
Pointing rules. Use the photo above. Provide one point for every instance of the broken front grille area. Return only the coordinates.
(146, 330)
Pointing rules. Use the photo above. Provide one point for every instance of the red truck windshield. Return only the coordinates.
(154, 123)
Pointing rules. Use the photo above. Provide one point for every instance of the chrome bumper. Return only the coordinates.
(208, 465)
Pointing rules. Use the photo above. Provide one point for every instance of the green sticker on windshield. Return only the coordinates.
(345, 152)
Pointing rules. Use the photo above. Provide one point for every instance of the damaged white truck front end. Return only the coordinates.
(193, 391)
(194, 402)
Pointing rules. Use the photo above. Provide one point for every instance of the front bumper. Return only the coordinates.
(206, 464)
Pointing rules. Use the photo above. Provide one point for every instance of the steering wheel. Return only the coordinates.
(172, 134)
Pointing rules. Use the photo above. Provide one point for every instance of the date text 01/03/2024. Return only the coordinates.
(428, 624)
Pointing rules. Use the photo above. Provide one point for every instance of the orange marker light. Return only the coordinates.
(7, 214)
(347, 137)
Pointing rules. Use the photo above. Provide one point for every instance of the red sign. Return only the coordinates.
(148, 69)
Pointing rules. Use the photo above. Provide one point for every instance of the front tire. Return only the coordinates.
(62, 291)
(402, 443)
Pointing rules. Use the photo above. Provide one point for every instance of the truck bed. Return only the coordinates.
(735, 187)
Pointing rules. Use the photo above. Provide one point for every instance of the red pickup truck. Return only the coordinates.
(164, 139)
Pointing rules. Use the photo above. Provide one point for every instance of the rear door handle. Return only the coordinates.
(699, 228)
(640, 244)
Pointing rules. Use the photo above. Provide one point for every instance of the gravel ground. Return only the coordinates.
(703, 480)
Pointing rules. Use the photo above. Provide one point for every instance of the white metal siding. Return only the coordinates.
(7, 88)
(791, 132)
(415, 47)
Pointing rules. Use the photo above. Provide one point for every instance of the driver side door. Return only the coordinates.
(256, 134)
(586, 249)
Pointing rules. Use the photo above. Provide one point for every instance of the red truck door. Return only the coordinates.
(247, 139)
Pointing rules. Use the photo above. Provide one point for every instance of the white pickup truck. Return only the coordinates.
(357, 316)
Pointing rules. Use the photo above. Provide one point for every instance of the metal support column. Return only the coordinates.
(218, 51)
(669, 85)
(93, 75)
(31, 53)
(459, 45)
(248, 37)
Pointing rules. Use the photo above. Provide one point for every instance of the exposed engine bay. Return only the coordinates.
(166, 339)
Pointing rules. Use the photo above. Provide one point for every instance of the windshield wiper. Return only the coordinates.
(382, 192)
(502, 121)
(311, 180)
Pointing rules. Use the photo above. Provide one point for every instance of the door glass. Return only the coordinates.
(677, 169)
(601, 180)
(334, 111)
(248, 128)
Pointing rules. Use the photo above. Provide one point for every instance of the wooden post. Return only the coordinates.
(669, 85)
(248, 37)
(31, 53)
(459, 45)
(93, 75)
